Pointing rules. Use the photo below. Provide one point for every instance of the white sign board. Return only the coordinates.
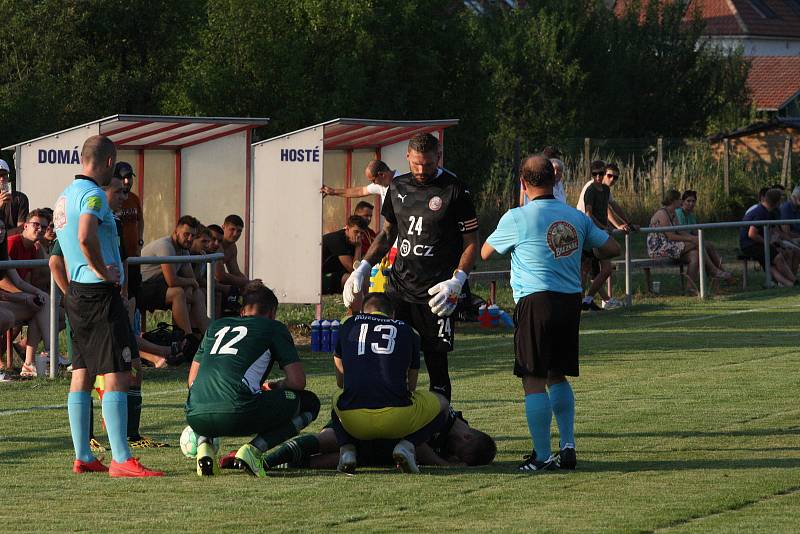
(47, 166)
(286, 216)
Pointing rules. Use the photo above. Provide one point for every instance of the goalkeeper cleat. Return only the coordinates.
(250, 459)
(567, 458)
(205, 460)
(531, 465)
(88, 467)
(347, 459)
(404, 455)
(142, 442)
(131, 468)
(228, 461)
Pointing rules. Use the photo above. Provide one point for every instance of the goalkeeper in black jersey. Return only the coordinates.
(430, 213)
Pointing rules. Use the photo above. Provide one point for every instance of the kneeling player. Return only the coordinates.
(225, 395)
(377, 363)
(456, 445)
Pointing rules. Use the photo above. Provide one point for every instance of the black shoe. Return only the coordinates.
(530, 464)
(590, 306)
(567, 458)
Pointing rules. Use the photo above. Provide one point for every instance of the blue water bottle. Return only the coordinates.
(316, 336)
(506, 319)
(325, 344)
(334, 334)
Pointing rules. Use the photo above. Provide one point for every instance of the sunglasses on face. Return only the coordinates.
(614, 176)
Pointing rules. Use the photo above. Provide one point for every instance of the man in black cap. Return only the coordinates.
(130, 215)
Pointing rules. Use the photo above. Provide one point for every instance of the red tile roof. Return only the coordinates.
(773, 80)
(740, 17)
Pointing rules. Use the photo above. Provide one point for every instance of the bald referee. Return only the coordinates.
(545, 239)
(101, 332)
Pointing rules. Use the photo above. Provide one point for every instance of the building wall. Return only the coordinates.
(754, 46)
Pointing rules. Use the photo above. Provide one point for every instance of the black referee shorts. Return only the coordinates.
(436, 332)
(546, 334)
(102, 339)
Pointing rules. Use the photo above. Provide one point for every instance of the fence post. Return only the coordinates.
(210, 290)
(53, 326)
(767, 268)
(628, 296)
(787, 162)
(726, 166)
(702, 251)
(586, 155)
(660, 163)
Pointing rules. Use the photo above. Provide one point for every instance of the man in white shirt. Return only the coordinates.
(377, 172)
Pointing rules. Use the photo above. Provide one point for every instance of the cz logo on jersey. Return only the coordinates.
(417, 250)
(562, 239)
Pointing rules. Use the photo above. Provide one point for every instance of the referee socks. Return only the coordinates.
(79, 409)
(540, 414)
(115, 413)
(563, 401)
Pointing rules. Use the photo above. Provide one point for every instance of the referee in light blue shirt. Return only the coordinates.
(545, 238)
(101, 333)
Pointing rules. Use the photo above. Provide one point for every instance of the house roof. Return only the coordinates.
(775, 122)
(741, 18)
(773, 81)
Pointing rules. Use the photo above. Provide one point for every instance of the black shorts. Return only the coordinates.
(436, 332)
(546, 334)
(102, 340)
(756, 252)
(332, 283)
(153, 294)
(134, 280)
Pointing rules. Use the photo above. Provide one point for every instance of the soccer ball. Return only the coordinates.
(188, 442)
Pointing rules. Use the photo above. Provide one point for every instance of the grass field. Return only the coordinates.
(687, 420)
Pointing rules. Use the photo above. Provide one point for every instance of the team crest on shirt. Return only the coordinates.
(562, 239)
(435, 203)
(60, 213)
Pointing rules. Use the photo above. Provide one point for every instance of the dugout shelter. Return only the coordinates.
(197, 166)
(289, 215)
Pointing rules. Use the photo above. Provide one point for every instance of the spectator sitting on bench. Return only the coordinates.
(228, 272)
(751, 239)
(339, 250)
(13, 204)
(173, 286)
(200, 246)
(685, 215)
(791, 210)
(364, 210)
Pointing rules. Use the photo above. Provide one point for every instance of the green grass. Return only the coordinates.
(687, 420)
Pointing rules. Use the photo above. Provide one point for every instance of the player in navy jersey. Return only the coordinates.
(377, 362)
(430, 213)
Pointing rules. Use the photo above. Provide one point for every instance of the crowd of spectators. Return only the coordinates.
(180, 288)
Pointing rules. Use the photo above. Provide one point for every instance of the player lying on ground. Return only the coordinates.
(377, 363)
(225, 394)
(456, 445)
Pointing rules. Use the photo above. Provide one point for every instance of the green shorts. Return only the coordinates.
(272, 409)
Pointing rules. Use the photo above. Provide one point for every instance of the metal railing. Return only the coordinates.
(208, 259)
(492, 276)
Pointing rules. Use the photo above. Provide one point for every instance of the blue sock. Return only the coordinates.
(79, 408)
(540, 415)
(563, 402)
(115, 413)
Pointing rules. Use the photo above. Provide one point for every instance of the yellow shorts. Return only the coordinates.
(392, 422)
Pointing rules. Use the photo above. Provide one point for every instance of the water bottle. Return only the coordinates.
(373, 274)
(334, 334)
(325, 344)
(316, 335)
(506, 319)
(494, 313)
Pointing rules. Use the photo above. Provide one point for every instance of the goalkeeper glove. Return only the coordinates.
(352, 287)
(445, 294)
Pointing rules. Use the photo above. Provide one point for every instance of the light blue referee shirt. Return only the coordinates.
(545, 238)
(83, 195)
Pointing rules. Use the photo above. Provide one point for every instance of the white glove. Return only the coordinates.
(352, 287)
(445, 294)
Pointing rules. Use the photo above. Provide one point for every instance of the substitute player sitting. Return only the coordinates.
(225, 393)
(545, 239)
(377, 363)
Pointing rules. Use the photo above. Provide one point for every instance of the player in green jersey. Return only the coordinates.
(225, 384)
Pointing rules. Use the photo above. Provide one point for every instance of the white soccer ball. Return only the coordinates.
(188, 442)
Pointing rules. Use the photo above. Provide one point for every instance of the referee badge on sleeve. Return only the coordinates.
(562, 239)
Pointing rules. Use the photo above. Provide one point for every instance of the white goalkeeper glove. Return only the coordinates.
(352, 287)
(445, 294)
